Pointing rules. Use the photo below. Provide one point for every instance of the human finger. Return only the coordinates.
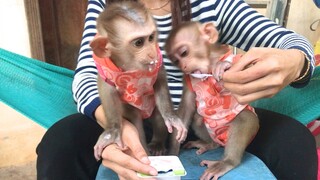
(264, 87)
(135, 157)
(248, 98)
(254, 72)
(120, 159)
(247, 59)
(122, 172)
(266, 82)
(130, 136)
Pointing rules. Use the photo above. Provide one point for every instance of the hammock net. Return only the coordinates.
(42, 92)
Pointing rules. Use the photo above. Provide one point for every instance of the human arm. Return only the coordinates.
(84, 85)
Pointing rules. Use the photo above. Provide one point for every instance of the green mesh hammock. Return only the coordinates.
(303, 104)
(42, 92)
(38, 90)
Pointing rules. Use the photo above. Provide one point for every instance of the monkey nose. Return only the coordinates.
(152, 56)
(184, 68)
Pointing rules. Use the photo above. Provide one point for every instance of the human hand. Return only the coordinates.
(126, 163)
(263, 72)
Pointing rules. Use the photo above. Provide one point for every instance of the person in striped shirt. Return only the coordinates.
(284, 58)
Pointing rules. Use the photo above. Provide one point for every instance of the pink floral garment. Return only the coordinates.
(135, 87)
(216, 105)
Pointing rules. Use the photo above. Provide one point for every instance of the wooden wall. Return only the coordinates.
(301, 15)
(55, 27)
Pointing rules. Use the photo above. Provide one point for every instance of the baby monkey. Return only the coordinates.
(132, 82)
(194, 48)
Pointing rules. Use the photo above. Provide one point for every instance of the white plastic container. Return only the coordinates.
(168, 167)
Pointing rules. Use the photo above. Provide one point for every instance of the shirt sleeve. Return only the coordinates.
(84, 85)
(243, 27)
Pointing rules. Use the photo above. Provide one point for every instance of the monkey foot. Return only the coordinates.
(201, 145)
(217, 169)
(157, 149)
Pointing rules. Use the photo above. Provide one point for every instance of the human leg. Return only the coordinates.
(286, 146)
(66, 149)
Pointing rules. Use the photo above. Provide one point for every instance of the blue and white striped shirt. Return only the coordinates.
(237, 23)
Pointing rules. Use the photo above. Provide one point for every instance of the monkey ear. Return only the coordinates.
(99, 46)
(210, 31)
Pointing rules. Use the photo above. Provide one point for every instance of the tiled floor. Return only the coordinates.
(19, 137)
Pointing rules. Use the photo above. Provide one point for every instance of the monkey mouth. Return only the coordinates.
(152, 64)
(199, 74)
(196, 72)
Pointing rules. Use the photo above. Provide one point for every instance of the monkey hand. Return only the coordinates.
(201, 145)
(217, 169)
(176, 122)
(105, 139)
(220, 68)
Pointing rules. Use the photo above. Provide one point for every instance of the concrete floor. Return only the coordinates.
(19, 137)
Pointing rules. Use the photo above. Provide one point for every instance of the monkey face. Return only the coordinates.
(190, 52)
(138, 49)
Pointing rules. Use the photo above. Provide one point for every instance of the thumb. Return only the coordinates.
(236, 72)
(130, 136)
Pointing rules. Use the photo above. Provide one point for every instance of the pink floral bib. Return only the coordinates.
(135, 87)
(216, 105)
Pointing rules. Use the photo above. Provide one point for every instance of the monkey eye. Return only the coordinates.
(173, 58)
(138, 42)
(151, 37)
(183, 52)
(175, 61)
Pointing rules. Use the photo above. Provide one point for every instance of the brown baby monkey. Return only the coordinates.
(194, 48)
(132, 82)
